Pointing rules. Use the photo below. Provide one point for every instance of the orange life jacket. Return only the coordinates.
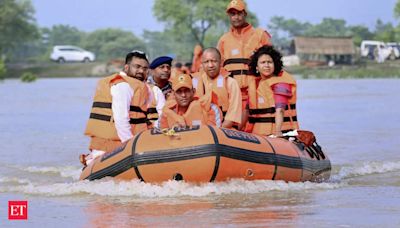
(152, 114)
(198, 84)
(101, 122)
(219, 87)
(194, 115)
(236, 50)
(262, 113)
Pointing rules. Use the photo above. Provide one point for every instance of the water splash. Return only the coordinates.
(366, 168)
(109, 187)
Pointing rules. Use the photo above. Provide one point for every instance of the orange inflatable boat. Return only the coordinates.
(206, 154)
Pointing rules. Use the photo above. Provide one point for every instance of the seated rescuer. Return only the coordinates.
(161, 72)
(224, 89)
(119, 107)
(187, 110)
(275, 109)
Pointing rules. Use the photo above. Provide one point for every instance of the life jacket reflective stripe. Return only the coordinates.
(262, 113)
(194, 115)
(220, 94)
(237, 51)
(101, 122)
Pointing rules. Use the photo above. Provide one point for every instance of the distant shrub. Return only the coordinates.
(3, 69)
(28, 77)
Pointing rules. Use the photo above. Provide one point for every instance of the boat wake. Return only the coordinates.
(64, 182)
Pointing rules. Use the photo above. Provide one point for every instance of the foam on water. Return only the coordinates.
(136, 188)
(111, 187)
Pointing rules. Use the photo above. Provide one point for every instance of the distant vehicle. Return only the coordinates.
(66, 53)
(396, 48)
(371, 48)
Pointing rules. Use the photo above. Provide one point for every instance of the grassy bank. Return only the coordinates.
(389, 69)
(55, 70)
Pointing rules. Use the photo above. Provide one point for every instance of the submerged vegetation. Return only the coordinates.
(28, 77)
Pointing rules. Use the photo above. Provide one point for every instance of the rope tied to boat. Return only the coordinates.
(169, 132)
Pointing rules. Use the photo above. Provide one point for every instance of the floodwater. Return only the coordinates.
(356, 121)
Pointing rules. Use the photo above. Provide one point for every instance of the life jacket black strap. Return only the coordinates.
(108, 118)
(151, 110)
(101, 105)
(108, 105)
(268, 110)
(238, 72)
(270, 119)
(137, 109)
(237, 60)
(138, 121)
(262, 111)
(100, 117)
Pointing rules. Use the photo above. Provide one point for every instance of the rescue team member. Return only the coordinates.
(161, 72)
(237, 45)
(275, 110)
(225, 89)
(188, 110)
(119, 107)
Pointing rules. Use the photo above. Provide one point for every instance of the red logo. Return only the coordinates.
(17, 210)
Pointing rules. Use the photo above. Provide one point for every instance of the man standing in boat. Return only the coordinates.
(188, 110)
(119, 107)
(237, 45)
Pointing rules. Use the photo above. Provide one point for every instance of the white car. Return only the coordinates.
(396, 48)
(66, 53)
(370, 48)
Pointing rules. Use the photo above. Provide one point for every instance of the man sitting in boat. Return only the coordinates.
(225, 89)
(187, 110)
(119, 108)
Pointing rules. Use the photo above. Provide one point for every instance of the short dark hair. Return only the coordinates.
(178, 65)
(136, 54)
(213, 49)
(266, 50)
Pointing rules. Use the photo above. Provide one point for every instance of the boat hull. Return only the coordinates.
(207, 154)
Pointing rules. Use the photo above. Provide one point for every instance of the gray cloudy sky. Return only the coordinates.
(136, 15)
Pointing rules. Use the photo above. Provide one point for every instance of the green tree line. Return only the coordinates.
(188, 22)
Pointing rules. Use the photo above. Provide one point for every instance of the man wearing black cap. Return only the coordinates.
(161, 72)
(119, 108)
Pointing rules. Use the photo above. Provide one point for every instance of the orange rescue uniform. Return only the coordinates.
(196, 114)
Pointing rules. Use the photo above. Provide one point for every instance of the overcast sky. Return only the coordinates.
(137, 15)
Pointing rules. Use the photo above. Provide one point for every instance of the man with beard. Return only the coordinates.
(119, 108)
(188, 110)
(161, 72)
